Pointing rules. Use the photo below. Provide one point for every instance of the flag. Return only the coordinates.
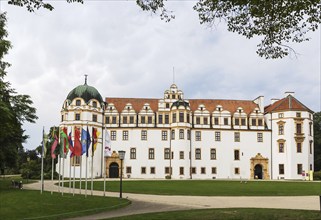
(77, 143)
(53, 147)
(63, 143)
(107, 151)
(44, 143)
(88, 142)
(66, 142)
(71, 147)
(83, 141)
(95, 134)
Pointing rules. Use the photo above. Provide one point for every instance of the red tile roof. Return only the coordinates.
(210, 104)
(286, 104)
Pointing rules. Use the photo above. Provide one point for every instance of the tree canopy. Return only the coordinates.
(279, 23)
(14, 109)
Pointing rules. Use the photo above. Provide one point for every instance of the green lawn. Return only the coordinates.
(212, 187)
(228, 214)
(30, 204)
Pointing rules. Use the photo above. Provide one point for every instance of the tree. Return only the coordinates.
(277, 22)
(317, 141)
(14, 109)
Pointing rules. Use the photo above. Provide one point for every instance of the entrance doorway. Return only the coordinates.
(258, 174)
(113, 170)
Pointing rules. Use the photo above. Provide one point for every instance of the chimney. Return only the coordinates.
(273, 100)
(288, 93)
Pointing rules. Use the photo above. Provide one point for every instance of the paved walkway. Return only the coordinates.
(142, 203)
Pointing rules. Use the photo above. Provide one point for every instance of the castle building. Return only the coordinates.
(178, 138)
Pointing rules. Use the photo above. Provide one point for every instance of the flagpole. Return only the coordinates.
(69, 175)
(86, 177)
(42, 152)
(59, 159)
(63, 175)
(73, 190)
(92, 160)
(52, 165)
(104, 160)
(80, 174)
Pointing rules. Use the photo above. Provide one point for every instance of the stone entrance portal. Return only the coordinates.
(260, 167)
(112, 165)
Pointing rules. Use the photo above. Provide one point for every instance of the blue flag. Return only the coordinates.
(88, 142)
(83, 141)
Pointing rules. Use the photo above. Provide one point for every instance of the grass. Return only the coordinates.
(30, 204)
(211, 187)
(241, 214)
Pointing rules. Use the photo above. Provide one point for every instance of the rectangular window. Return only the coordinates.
(217, 136)
(281, 169)
(236, 136)
(94, 118)
(133, 153)
(142, 120)
(181, 155)
(203, 170)
(281, 115)
(151, 153)
(259, 137)
(181, 133)
(243, 121)
(174, 117)
(298, 114)
(152, 170)
(78, 102)
(125, 135)
(124, 119)
(62, 117)
(198, 120)
(198, 136)
(113, 135)
(181, 170)
(216, 121)
(299, 147)
(260, 122)
(114, 120)
(311, 147)
(310, 128)
(167, 170)
(107, 120)
(181, 117)
(166, 153)
(197, 153)
(236, 170)
(160, 119)
(128, 169)
(299, 169)
(188, 119)
(237, 121)
(173, 135)
(281, 129)
(298, 128)
(164, 135)
(205, 121)
(77, 117)
(281, 147)
(193, 170)
(236, 154)
(144, 135)
(253, 121)
(213, 154)
(166, 119)
(213, 170)
(143, 170)
(225, 121)
(131, 119)
(150, 120)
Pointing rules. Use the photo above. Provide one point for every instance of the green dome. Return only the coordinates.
(85, 92)
(180, 102)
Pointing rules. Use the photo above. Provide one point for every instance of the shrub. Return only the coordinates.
(317, 175)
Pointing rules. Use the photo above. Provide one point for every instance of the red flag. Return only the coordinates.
(77, 143)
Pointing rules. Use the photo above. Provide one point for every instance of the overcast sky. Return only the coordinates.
(130, 53)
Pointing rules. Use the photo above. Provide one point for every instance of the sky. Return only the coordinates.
(127, 52)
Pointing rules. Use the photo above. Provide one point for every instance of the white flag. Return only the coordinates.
(107, 151)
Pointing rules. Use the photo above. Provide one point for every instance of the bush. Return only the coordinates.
(168, 177)
(317, 175)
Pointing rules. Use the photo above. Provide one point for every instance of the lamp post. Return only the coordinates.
(28, 161)
(121, 154)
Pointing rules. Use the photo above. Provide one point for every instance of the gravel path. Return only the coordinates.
(142, 203)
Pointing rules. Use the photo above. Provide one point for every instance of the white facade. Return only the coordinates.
(199, 139)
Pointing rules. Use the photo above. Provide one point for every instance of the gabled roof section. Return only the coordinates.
(229, 105)
(288, 103)
(137, 103)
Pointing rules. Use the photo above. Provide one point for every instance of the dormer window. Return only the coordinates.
(110, 108)
(78, 102)
(240, 110)
(94, 104)
(146, 108)
(201, 108)
(167, 105)
(128, 108)
(298, 114)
